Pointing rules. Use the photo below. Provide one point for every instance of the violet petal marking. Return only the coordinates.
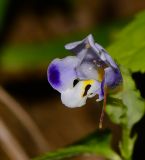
(66, 69)
(54, 75)
(112, 77)
(102, 87)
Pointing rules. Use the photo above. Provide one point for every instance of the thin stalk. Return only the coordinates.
(103, 108)
(25, 119)
(10, 145)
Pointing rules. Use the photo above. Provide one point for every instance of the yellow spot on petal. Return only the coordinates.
(85, 83)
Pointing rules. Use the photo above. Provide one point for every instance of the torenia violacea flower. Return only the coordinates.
(90, 72)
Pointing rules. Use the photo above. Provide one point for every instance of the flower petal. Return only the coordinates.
(74, 46)
(72, 97)
(96, 89)
(88, 51)
(110, 61)
(61, 73)
(83, 76)
(86, 71)
(77, 96)
(112, 77)
(77, 47)
(105, 56)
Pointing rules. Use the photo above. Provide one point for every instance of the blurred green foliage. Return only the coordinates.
(126, 108)
(129, 48)
(16, 58)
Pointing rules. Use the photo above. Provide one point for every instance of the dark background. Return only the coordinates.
(27, 26)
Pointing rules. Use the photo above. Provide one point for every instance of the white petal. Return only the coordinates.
(92, 43)
(101, 97)
(95, 89)
(72, 97)
(72, 45)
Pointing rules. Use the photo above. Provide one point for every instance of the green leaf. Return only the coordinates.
(135, 107)
(97, 144)
(132, 100)
(129, 48)
(126, 107)
(127, 144)
(116, 110)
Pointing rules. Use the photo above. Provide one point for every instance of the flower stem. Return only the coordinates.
(103, 108)
(127, 144)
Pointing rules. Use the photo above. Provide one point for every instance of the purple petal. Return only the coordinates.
(100, 92)
(86, 71)
(102, 87)
(73, 46)
(61, 73)
(105, 56)
(111, 61)
(112, 77)
(77, 47)
(89, 51)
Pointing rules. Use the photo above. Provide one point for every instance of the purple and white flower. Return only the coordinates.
(85, 74)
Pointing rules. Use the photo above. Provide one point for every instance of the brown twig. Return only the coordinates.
(103, 108)
(10, 145)
(25, 119)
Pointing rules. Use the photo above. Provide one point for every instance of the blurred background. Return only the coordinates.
(32, 33)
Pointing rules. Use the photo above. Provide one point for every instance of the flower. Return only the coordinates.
(90, 72)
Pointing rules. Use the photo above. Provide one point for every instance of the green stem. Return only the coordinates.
(127, 144)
